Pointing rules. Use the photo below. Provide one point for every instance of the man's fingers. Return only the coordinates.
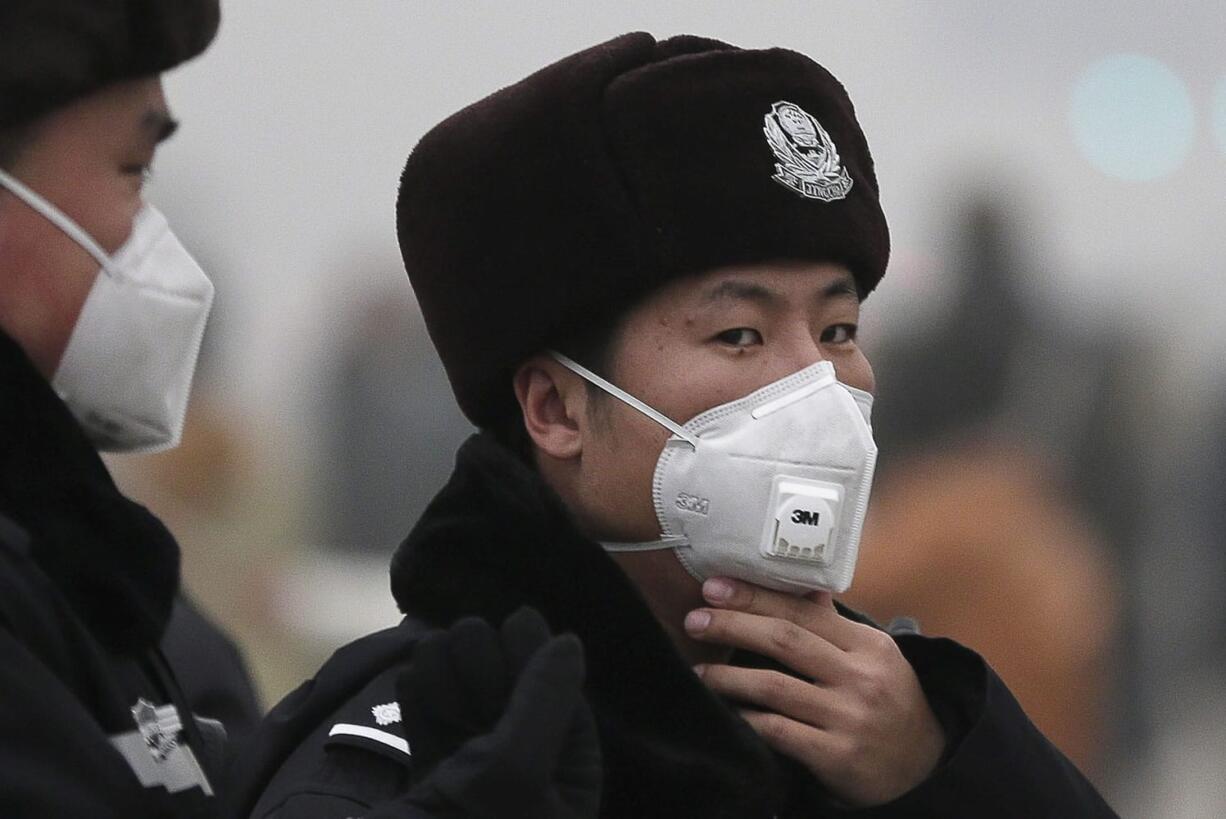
(428, 678)
(794, 739)
(480, 668)
(814, 612)
(770, 691)
(442, 726)
(822, 598)
(523, 633)
(544, 700)
(785, 641)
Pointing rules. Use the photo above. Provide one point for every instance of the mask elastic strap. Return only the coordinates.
(56, 217)
(661, 419)
(666, 542)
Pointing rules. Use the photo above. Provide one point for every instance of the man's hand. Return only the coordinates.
(862, 726)
(498, 723)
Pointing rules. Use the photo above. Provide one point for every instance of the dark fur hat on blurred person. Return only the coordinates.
(55, 51)
(560, 201)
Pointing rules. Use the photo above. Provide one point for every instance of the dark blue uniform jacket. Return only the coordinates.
(100, 657)
(497, 538)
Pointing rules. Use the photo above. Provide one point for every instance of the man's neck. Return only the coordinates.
(671, 593)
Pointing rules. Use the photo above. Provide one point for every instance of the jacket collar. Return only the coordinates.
(114, 562)
(496, 538)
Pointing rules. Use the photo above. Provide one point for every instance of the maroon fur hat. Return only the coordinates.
(562, 200)
(55, 51)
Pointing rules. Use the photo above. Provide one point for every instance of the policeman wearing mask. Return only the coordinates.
(101, 317)
(643, 268)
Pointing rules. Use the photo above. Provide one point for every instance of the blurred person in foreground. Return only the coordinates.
(116, 694)
(643, 269)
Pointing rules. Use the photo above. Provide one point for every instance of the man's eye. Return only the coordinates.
(740, 337)
(839, 334)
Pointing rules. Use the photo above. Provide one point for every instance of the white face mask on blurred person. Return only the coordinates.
(127, 370)
(771, 488)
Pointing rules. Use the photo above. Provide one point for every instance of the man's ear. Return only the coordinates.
(554, 405)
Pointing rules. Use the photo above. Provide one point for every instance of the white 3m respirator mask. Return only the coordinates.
(771, 488)
(127, 370)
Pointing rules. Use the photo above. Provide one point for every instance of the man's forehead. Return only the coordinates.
(776, 283)
(132, 108)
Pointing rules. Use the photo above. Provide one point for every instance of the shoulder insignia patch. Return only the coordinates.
(156, 752)
(387, 713)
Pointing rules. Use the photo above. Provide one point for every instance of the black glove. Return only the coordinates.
(498, 725)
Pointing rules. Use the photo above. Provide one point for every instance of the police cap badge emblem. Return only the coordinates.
(806, 160)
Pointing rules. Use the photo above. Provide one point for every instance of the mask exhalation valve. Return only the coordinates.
(801, 523)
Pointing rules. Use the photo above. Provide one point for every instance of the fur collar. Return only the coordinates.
(114, 562)
(495, 538)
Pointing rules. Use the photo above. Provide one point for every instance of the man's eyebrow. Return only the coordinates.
(843, 287)
(741, 291)
(158, 125)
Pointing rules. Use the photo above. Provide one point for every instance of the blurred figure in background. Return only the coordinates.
(391, 427)
(387, 437)
(110, 683)
(1010, 489)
